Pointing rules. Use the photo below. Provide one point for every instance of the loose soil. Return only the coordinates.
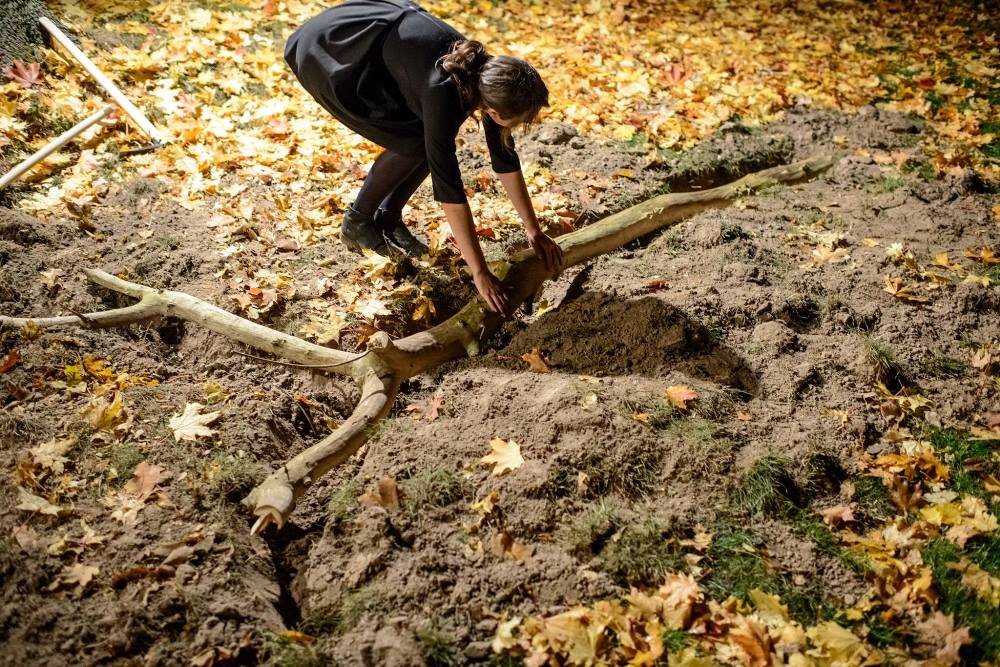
(721, 302)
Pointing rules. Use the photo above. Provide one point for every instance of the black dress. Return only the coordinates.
(370, 63)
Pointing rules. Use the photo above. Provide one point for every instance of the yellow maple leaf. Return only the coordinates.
(680, 394)
(836, 643)
(986, 586)
(104, 414)
(505, 457)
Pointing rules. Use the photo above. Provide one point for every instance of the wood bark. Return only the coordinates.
(381, 369)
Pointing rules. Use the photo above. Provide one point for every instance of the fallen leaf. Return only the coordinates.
(9, 361)
(32, 503)
(104, 414)
(78, 575)
(984, 255)
(838, 643)
(386, 495)
(502, 544)
(50, 455)
(536, 361)
(49, 277)
(26, 537)
(679, 395)
(486, 504)
(941, 638)
(902, 291)
(986, 586)
(24, 74)
(190, 425)
(657, 284)
(506, 456)
(982, 359)
(426, 408)
(145, 479)
(837, 515)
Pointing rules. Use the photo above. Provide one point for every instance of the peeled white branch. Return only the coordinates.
(380, 371)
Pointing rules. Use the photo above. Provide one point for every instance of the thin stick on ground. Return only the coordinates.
(380, 371)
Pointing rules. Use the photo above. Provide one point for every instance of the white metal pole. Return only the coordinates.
(116, 94)
(56, 144)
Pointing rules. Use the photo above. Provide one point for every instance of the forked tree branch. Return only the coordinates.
(380, 371)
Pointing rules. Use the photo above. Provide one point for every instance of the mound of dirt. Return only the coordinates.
(776, 341)
(20, 31)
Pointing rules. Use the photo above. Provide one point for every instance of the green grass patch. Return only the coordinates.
(958, 451)
(675, 640)
(884, 361)
(642, 554)
(343, 504)
(890, 183)
(874, 505)
(342, 617)
(956, 598)
(281, 652)
(706, 449)
(767, 486)
(122, 458)
(437, 487)
(232, 475)
(942, 366)
(437, 647)
(586, 534)
(658, 410)
(738, 567)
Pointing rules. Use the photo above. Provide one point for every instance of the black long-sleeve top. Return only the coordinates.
(371, 63)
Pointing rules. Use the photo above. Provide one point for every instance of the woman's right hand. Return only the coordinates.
(493, 291)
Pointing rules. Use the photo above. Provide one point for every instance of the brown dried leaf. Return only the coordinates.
(838, 514)
(536, 361)
(145, 480)
(385, 495)
(24, 74)
(32, 503)
(9, 361)
(426, 408)
(503, 545)
(49, 455)
(78, 575)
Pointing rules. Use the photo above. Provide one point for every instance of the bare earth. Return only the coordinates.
(726, 302)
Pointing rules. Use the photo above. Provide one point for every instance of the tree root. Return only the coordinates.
(380, 371)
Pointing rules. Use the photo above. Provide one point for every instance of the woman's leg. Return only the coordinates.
(390, 213)
(393, 204)
(389, 171)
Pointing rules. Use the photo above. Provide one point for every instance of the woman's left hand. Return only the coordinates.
(547, 250)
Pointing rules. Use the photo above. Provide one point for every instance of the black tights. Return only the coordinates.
(390, 183)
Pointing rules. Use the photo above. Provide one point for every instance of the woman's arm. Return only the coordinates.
(546, 249)
(489, 286)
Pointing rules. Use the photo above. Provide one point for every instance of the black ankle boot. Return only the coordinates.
(398, 235)
(360, 231)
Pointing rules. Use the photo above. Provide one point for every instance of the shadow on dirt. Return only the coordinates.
(602, 334)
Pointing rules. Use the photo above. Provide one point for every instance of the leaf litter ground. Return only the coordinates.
(834, 471)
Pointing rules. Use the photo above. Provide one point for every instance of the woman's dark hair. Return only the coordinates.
(508, 85)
